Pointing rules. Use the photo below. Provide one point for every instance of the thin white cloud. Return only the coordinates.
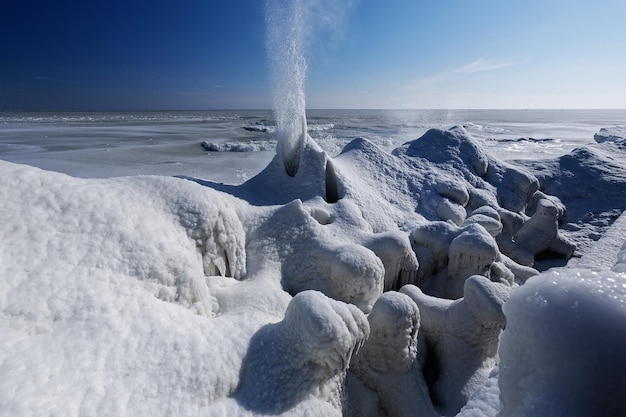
(482, 65)
(443, 78)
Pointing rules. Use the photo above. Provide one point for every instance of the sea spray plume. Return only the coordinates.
(290, 26)
(286, 35)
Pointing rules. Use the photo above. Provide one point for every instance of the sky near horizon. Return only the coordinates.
(401, 54)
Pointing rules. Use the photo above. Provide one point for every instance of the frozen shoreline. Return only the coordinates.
(164, 296)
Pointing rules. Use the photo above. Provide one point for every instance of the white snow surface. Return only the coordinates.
(169, 296)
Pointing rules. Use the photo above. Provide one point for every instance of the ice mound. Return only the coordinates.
(315, 176)
(461, 338)
(591, 182)
(310, 352)
(611, 134)
(386, 367)
(449, 147)
(251, 146)
(562, 352)
(108, 299)
(539, 234)
(444, 176)
(169, 234)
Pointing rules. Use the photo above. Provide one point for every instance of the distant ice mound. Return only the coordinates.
(611, 134)
(260, 127)
(591, 182)
(562, 351)
(248, 146)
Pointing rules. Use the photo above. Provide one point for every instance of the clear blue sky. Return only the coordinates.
(201, 54)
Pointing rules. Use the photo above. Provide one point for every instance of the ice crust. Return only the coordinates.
(561, 353)
(177, 296)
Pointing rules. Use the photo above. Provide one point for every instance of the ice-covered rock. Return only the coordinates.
(450, 210)
(453, 190)
(462, 339)
(472, 252)
(515, 186)
(304, 355)
(488, 218)
(591, 182)
(540, 233)
(387, 362)
(562, 352)
(311, 256)
(395, 252)
(449, 254)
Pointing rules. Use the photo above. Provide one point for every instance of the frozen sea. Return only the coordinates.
(241, 143)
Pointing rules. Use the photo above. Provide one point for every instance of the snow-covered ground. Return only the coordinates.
(372, 283)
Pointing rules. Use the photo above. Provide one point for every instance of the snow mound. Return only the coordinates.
(562, 345)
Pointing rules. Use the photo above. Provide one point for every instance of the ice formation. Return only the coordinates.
(449, 255)
(150, 295)
(461, 338)
(611, 134)
(562, 352)
(540, 233)
(386, 368)
(309, 356)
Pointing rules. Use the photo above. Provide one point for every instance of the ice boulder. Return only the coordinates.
(310, 256)
(387, 363)
(562, 352)
(394, 250)
(449, 254)
(306, 355)
(473, 252)
(539, 234)
(488, 218)
(515, 186)
(611, 134)
(462, 339)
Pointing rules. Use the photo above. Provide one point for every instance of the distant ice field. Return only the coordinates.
(233, 146)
